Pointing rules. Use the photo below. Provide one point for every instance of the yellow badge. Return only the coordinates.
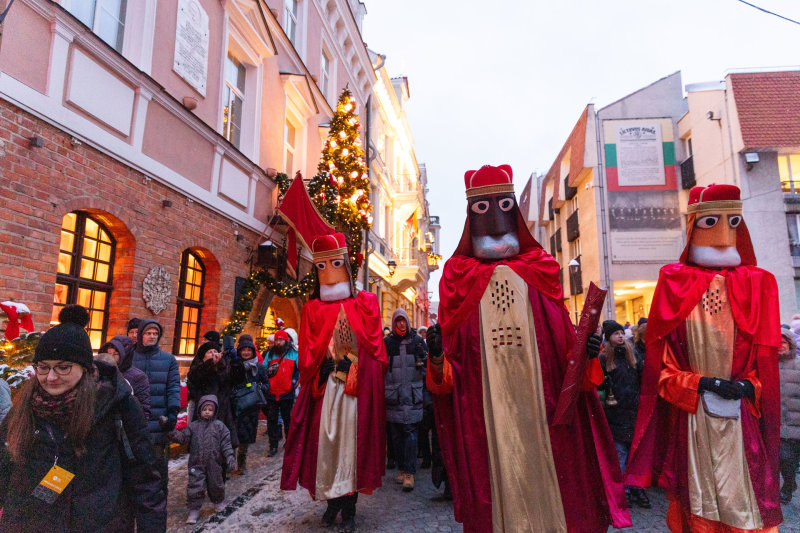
(57, 479)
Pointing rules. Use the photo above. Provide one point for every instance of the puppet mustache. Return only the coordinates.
(491, 247)
(709, 256)
(335, 291)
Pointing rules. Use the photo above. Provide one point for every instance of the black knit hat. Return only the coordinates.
(213, 336)
(609, 327)
(68, 341)
(133, 323)
(642, 320)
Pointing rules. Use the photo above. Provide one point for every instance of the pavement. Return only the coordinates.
(255, 503)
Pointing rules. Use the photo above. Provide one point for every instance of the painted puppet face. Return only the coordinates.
(334, 279)
(713, 241)
(493, 226)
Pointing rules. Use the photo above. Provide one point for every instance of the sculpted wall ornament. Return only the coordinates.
(156, 289)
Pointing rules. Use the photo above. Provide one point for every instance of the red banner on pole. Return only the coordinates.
(301, 215)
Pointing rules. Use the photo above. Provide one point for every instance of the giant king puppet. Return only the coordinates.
(707, 429)
(336, 444)
(496, 369)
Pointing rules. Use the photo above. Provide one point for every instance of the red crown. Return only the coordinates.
(332, 245)
(489, 180)
(714, 197)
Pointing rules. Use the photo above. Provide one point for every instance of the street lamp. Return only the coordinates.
(574, 267)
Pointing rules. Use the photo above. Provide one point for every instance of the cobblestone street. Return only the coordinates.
(255, 503)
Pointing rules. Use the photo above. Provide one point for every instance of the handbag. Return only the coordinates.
(718, 407)
(249, 396)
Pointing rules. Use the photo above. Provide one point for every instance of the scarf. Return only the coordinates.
(54, 409)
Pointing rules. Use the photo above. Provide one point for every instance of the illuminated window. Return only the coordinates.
(190, 304)
(233, 101)
(85, 266)
(789, 171)
(106, 18)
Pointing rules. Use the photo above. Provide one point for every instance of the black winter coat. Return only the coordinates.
(404, 380)
(161, 370)
(206, 378)
(138, 379)
(247, 421)
(625, 382)
(108, 488)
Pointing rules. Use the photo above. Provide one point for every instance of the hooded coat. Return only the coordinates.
(138, 379)
(209, 450)
(209, 378)
(405, 379)
(161, 369)
(108, 489)
(250, 371)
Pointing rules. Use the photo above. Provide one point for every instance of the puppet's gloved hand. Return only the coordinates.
(593, 345)
(434, 340)
(325, 370)
(730, 390)
(748, 390)
(344, 365)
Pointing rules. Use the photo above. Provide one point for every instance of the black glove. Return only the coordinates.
(593, 344)
(434, 340)
(730, 390)
(344, 365)
(748, 390)
(325, 370)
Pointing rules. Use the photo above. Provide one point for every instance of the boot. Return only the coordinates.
(241, 463)
(640, 496)
(273, 451)
(400, 477)
(194, 514)
(329, 518)
(408, 483)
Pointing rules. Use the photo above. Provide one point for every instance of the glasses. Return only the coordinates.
(61, 369)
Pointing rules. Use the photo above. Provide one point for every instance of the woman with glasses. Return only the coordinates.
(74, 450)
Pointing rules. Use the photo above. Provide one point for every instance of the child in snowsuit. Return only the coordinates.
(209, 449)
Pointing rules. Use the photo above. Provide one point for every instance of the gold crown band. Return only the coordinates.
(490, 189)
(338, 252)
(717, 205)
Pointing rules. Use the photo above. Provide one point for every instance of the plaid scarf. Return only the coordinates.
(55, 409)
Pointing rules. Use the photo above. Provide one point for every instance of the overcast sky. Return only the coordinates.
(505, 82)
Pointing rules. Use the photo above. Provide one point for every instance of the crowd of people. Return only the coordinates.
(93, 427)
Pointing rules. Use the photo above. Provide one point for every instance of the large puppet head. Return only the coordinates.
(333, 267)
(495, 228)
(717, 236)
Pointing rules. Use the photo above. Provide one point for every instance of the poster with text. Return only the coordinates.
(640, 155)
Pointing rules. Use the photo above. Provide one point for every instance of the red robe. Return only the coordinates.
(586, 463)
(316, 327)
(660, 442)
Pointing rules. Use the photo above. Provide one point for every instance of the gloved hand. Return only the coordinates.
(172, 420)
(325, 370)
(231, 463)
(748, 390)
(730, 390)
(593, 344)
(344, 365)
(434, 340)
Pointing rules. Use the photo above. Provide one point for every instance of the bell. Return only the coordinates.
(610, 399)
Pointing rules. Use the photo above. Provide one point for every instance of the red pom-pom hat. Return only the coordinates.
(489, 180)
(327, 246)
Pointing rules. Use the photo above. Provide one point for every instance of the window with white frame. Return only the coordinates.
(290, 10)
(325, 73)
(233, 100)
(290, 146)
(106, 18)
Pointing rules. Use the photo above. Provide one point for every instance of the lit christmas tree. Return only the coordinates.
(341, 189)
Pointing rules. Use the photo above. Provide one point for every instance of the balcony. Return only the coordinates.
(569, 192)
(558, 240)
(573, 230)
(790, 187)
(687, 173)
(408, 272)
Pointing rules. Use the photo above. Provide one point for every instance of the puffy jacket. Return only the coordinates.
(141, 385)
(161, 369)
(790, 397)
(283, 384)
(625, 383)
(241, 375)
(209, 440)
(108, 489)
(405, 375)
(209, 378)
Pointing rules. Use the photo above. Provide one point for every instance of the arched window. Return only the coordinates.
(85, 267)
(190, 304)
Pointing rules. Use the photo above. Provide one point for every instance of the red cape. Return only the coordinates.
(658, 452)
(316, 328)
(590, 480)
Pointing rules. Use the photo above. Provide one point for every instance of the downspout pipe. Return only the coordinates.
(601, 174)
